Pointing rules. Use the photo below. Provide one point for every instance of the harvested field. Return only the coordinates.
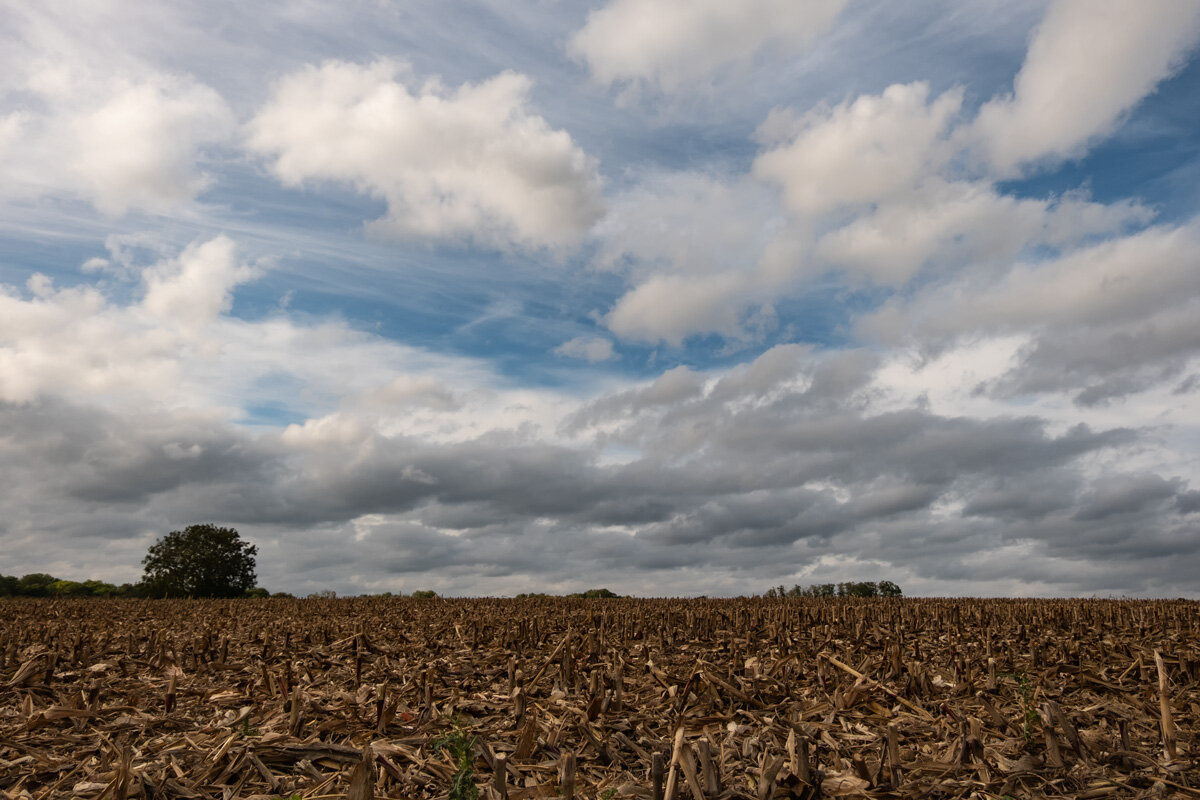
(795, 698)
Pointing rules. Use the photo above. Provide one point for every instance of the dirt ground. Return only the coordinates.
(547, 697)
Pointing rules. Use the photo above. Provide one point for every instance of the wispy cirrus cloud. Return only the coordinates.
(589, 348)
(671, 45)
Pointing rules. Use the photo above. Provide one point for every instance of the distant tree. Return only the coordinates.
(8, 585)
(68, 589)
(101, 589)
(593, 593)
(258, 592)
(199, 561)
(424, 594)
(857, 589)
(889, 589)
(35, 584)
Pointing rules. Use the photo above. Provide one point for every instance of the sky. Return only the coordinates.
(675, 297)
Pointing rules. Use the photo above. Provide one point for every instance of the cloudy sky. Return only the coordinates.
(669, 296)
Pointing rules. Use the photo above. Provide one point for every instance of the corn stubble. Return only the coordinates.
(548, 697)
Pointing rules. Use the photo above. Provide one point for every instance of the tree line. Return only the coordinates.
(40, 584)
(210, 561)
(198, 561)
(844, 589)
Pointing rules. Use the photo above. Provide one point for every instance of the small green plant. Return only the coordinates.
(460, 745)
(1028, 710)
(608, 793)
(248, 730)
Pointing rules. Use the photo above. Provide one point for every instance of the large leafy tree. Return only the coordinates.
(199, 561)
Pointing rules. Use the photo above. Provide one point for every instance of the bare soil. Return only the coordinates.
(708, 699)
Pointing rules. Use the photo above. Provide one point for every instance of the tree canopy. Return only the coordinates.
(199, 561)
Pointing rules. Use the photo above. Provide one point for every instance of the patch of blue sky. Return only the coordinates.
(442, 299)
(823, 315)
(57, 257)
(49, 235)
(278, 399)
(271, 416)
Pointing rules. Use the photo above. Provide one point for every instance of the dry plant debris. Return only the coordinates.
(548, 697)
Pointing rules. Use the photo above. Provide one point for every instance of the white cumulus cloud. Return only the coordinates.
(1089, 62)
(471, 162)
(139, 148)
(952, 225)
(672, 307)
(198, 286)
(74, 341)
(120, 142)
(703, 252)
(859, 152)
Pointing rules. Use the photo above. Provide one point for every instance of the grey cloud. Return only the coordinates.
(756, 474)
(1188, 502)
(1103, 321)
(763, 375)
(673, 386)
(1024, 497)
(922, 446)
(777, 517)
(1124, 495)
(99, 456)
(1129, 539)
(1103, 363)
(895, 499)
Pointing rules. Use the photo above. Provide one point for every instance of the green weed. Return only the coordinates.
(460, 745)
(1025, 692)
